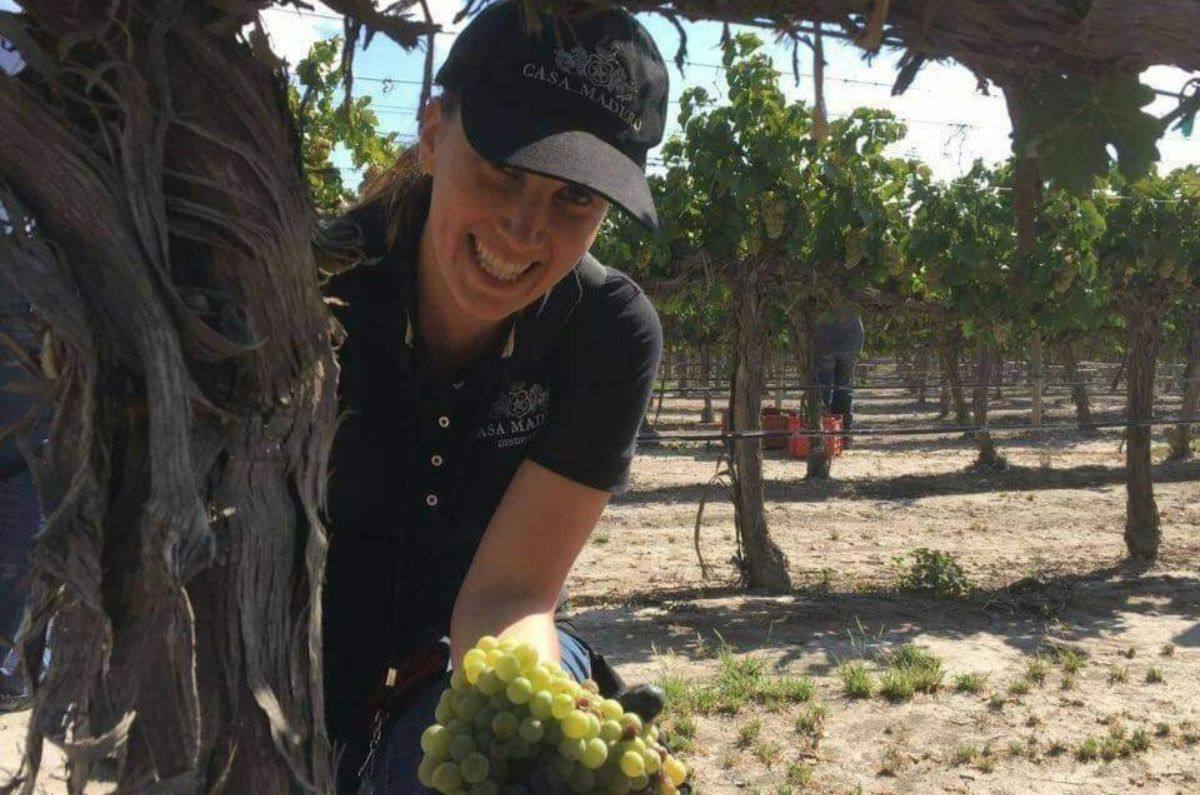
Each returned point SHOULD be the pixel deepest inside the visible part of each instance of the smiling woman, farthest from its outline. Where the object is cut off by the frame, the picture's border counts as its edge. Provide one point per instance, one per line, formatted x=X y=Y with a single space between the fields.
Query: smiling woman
x=494 y=374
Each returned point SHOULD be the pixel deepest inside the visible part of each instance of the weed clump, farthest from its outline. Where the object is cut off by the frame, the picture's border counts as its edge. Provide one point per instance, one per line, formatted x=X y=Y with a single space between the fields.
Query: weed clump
x=933 y=572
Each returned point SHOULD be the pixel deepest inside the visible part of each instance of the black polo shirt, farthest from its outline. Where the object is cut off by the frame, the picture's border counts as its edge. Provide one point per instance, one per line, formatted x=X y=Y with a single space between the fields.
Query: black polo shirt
x=420 y=461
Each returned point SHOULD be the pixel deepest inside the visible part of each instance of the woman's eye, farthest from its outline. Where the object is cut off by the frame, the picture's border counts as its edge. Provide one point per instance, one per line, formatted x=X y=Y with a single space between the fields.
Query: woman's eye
x=578 y=195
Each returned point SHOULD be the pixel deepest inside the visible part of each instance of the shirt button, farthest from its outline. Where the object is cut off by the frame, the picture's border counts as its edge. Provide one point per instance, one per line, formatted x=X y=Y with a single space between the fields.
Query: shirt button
x=444 y=422
x=436 y=460
x=431 y=500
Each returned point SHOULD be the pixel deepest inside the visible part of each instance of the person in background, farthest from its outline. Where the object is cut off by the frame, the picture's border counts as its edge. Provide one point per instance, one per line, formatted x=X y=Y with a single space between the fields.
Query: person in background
x=19 y=515
x=838 y=340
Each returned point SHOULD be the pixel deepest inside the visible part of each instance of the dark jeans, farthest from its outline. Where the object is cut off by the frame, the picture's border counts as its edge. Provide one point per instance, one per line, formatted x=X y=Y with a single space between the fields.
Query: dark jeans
x=835 y=374
x=395 y=772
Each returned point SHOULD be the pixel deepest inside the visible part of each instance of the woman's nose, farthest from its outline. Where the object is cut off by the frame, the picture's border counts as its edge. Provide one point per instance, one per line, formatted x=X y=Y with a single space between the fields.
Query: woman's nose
x=526 y=222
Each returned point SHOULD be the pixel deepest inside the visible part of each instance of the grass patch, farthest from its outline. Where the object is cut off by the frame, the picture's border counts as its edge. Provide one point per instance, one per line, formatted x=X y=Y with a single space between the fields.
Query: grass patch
x=894 y=760
x=799 y=775
x=738 y=682
x=600 y=539
x=1118 y=744
x=970 y=683
x=1068 y=658
x=1154 y=675
x=964 y=754
x=765 y=752
x=810 y=723
x=1168 y=650
x=910 y=670
x=857 y=681
x=997 y=701
x=748 y=733
x=1118 y=674
x=896 y=686
x=1036 y=670
x=1019 y=687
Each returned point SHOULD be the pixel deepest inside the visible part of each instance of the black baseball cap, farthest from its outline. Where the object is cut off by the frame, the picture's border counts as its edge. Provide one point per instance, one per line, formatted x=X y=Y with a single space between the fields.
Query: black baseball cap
x=581 y=99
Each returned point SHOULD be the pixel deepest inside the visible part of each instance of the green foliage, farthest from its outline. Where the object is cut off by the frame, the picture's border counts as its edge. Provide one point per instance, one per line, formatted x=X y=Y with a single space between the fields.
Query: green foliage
x=316 y=102
x=936 y=573
x=1071 y=121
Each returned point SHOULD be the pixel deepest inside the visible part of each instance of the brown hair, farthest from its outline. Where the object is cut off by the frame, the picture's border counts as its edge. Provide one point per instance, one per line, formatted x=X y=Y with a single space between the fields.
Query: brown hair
x=401 y=193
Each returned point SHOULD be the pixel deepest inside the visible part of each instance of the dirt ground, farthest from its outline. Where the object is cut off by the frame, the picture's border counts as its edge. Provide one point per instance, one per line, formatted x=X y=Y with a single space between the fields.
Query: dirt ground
x=1042 y=545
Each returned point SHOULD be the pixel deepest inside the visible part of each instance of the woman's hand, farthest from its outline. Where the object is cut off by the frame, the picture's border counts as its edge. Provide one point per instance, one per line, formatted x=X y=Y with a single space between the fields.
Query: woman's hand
x=528 y=549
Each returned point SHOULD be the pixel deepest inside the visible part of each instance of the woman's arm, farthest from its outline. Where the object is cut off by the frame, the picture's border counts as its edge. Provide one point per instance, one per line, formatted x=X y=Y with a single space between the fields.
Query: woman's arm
x=528 y=549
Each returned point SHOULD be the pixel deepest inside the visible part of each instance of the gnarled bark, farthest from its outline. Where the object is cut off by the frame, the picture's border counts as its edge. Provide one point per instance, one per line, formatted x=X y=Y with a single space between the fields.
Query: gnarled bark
x=949 y=346
x=1143 y=328
x=988 y=458
x=171 y=254
x=1079 y=392
x=764 y=565
x=1181 y=435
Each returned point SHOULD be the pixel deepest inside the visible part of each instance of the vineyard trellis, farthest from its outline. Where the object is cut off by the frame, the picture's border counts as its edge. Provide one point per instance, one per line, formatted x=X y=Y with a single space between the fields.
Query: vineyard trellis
x=160 y=220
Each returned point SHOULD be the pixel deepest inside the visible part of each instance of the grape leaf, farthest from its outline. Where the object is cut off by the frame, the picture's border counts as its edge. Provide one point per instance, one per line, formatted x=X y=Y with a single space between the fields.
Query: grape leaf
x=1070 y=122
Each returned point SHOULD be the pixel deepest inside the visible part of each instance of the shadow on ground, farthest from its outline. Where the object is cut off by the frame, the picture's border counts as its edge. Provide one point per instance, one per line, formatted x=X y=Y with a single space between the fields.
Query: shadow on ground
x=914 y=487
x=813 y=623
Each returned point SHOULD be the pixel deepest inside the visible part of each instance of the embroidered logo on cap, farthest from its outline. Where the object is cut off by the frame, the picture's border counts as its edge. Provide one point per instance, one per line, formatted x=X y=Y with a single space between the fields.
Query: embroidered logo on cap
x=598 y=76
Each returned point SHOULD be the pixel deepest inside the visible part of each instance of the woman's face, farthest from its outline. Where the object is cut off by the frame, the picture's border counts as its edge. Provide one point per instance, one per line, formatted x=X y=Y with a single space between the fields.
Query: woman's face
x=500 y=237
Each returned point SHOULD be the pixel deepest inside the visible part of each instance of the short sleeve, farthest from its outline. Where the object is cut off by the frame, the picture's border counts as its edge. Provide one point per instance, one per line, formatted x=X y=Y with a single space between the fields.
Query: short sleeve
x=609 y=358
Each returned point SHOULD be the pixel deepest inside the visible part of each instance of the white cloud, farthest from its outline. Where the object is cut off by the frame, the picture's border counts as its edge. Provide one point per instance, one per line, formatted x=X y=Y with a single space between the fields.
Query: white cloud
x=293 y=32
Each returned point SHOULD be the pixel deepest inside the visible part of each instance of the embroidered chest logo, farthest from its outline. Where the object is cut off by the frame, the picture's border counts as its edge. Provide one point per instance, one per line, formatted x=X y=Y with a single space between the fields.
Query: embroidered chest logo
x=516 y=414
x=598 y=76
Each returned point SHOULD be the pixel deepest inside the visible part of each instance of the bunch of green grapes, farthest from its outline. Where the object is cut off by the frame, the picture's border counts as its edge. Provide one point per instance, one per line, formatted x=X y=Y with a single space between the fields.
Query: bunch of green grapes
x=511 y=725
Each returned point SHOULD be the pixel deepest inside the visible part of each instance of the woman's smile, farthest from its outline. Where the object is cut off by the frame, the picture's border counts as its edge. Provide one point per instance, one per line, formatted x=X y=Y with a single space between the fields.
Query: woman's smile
x=495 y=265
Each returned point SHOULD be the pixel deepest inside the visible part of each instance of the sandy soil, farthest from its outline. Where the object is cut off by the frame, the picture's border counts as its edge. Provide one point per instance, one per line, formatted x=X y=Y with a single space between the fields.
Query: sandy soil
x=1042 y=541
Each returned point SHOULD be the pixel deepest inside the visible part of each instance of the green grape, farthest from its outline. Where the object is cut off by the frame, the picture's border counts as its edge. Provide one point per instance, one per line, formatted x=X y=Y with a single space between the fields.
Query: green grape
x=619 y=785
x=461 y=746
x=474 y=767
x=593 y=727
x=582 y=781
x=483 y=739
x=564 y=705
x=540 y=678
x=474 y=671
x=675 y=770
x=541 y=706
x=531 y=731
x=611 y=710
x=494 y=655
x=571 y=748
x=590 y=686
x=476 y=656
x=483 y=718
x=519 y=690
x=458 y=726
x=499 y=701
x=526 y=655
x=489 y=684
x=507 y=644
x=447 y=777
x=518 y=748
x=468 y=706
x=508 y=668
x=425 y=771
x=458 y=680
x=444 y=711
x=651 y=760
x=435 y=741
x=575 y=725
x=563 y=766
x=632 y=764
x=641 y=782
x=505 y=725
x=554 y=734
x=484 y=788
x=486 y=643
x=497 y=749
x=631 y=723
x=611 y=731
x=595 y=754
x=638 y=744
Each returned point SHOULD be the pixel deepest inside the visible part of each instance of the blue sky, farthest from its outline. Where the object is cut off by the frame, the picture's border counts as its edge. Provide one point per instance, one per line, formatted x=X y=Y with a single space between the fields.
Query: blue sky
x=949 y=122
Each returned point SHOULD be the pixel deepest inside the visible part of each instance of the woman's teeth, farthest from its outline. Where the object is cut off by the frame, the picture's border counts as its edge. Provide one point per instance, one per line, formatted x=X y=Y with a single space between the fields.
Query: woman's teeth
x=496 y=266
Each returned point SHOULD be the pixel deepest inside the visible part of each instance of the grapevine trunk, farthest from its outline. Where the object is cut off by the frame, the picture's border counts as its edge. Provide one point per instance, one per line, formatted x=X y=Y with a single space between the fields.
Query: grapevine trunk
x=1142 y=531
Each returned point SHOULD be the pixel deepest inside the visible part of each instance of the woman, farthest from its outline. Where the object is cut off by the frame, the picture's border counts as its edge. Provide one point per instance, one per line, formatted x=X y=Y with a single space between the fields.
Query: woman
x=493 y=374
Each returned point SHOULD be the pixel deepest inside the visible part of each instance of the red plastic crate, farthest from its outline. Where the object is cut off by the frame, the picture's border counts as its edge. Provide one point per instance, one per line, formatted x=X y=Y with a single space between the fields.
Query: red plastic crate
x=798 y=444
x=771 y=419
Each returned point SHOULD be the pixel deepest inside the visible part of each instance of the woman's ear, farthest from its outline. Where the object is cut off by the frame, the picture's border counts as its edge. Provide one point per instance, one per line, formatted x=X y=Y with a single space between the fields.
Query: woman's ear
x=433 y=120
